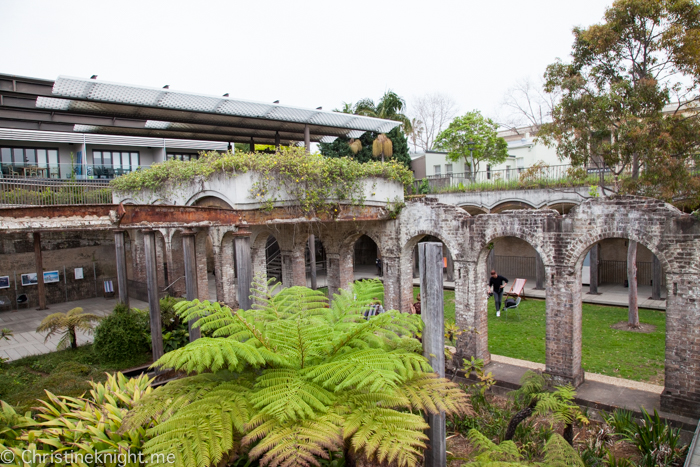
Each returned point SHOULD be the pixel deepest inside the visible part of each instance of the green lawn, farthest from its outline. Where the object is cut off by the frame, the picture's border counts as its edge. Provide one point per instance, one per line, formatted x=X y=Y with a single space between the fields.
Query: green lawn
x=606 y=351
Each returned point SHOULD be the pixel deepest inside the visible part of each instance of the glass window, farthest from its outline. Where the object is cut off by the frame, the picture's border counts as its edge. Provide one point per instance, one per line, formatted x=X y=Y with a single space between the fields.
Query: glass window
x=117 y=159
x=437 y=169
x=18 y=155
x=135 y=160
x=30 y=156
x=6 y=155
x=41 y=157
x=107 y=158
x=448 y=168
x=97 y=157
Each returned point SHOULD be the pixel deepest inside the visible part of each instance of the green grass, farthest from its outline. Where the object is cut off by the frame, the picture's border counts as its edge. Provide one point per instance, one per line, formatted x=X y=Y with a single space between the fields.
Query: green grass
x=606 y=351
x=65 y=373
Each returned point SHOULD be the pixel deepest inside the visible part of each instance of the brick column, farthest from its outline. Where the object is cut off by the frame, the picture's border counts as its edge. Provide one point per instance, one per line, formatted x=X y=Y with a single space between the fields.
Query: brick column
x=168 y=260
x=333 y=274
x=149 y=240
x=121 y=267
x=563 y=307
x=299 y=266
x=471 y=302
x=287 y=268
x=682 y=382
x=244 y=270
x=190 y=259
x=259 y=256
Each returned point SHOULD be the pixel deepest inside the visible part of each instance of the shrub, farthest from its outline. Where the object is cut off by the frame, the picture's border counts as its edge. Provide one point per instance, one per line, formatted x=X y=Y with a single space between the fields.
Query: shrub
x=121 y=336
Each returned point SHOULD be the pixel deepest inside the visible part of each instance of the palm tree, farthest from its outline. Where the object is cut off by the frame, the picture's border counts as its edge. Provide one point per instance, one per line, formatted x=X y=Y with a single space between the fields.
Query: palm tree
x=390 y=107
x=66 y=324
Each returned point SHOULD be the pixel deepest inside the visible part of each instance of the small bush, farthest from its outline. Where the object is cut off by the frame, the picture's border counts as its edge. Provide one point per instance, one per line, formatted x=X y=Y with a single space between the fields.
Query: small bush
x=122 y=336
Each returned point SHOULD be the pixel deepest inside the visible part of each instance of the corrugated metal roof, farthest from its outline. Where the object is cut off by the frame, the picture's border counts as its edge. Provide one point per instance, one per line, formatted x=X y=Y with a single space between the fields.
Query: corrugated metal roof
x=87 y=90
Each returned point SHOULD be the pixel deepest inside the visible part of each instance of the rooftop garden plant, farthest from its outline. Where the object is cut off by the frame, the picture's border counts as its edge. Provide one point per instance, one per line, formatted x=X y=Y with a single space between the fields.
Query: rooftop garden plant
x=312 y=179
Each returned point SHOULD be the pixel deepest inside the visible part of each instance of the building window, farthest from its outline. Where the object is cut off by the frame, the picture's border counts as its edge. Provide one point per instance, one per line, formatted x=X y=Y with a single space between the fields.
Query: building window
x=437 y=170
x=40 y=162
x=182 y=156
x=488 y=172
x=448 y=169
x=109 y=164
x=507 y=172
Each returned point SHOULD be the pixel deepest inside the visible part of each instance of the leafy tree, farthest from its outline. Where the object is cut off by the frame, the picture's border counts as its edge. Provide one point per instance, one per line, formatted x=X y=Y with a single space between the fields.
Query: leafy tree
x=294 y=380
x=629 y=103
x=341 y=147
x=67 y=324
x=390 y=107
x=483 y=132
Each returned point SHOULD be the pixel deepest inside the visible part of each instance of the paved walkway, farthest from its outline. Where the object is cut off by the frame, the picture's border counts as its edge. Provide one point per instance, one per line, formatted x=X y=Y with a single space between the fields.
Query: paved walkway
x=23 y=323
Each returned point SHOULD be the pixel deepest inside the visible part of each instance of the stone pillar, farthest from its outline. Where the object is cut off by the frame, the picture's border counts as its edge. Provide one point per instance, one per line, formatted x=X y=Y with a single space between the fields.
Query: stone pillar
x=287 y=268
x=594 y=263
x=298 y=266
x=433 y=314
x=121 y=267
x=202 y=275
x=682 y=367
x=190 y=257
x=244 y=270
x=656 y=279
x=168 y=260
x=471 y=302
x=333 y=274
x=312 y=260
x=149 y=241
x=396 y=292
x=563 y=315
x=39 y=271
x=137 y=256
x=450 y=269
x=225 y=271
x=539 y=272
x=259 y=255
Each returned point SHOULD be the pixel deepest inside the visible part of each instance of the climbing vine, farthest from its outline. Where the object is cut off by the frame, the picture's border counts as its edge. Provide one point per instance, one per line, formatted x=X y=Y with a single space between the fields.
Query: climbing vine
x=315 y=182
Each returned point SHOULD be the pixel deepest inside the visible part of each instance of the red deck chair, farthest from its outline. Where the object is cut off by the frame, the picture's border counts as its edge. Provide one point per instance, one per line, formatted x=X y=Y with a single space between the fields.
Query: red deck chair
x=517 y=289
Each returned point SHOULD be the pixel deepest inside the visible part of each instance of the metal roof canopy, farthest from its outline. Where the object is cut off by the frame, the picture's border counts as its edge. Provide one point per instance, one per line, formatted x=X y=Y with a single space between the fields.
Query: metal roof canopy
x=93 y=106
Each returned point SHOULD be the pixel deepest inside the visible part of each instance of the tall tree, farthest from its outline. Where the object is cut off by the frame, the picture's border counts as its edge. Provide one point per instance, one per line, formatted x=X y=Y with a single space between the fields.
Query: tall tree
x=473 y=128
x=526 y=103
x=431 y=114
x=629 y=103
x=390 y=107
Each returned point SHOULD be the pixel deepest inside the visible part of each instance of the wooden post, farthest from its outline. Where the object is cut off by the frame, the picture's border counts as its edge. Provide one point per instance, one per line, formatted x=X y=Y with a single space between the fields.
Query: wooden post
x=244 y=269
x=450 y=269
x=633 y=310
x=252 y=144
x=594 y=263
x=539 y=272
x=277 y=139
x=149 y=243
x=416 y=272
x=191 y=289
x=312 y=260
x=307 y=138
x=656 y=279
x=39 y=271
x=433 y=314
x=121 y=267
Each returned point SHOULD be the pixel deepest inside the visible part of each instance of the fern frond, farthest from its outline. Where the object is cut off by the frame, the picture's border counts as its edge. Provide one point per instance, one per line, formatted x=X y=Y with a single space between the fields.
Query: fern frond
x=285 y=395
x=213 y=354
x=371 y=368
x=295 y=443
x=559 y=453
x=386 y=435
x=429 y=393
x=489 y=452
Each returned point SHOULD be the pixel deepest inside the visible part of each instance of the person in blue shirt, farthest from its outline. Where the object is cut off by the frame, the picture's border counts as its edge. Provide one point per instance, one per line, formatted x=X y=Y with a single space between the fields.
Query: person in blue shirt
x=498 y=283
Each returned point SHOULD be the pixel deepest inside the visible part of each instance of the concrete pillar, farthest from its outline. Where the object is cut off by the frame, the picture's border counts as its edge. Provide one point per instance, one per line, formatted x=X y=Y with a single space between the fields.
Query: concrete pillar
x=202 y=276
x=563 y=318
x=149 y=241
x=121 y=267
x=39 y=271
x=656 y=279
x=594 y=261
x=312 y=260
x=433 y=314
x=471 y=302
x=681 y=393
x=539 y=272
x=244 y=270
x=190 y=257
x=307 y=138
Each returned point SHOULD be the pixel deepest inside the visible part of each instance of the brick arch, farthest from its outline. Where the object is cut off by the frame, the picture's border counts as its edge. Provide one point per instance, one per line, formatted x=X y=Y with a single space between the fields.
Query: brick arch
x=258 y=251
x=215 y=199
x=543 y=249
x=354 y=236
x=416 y=235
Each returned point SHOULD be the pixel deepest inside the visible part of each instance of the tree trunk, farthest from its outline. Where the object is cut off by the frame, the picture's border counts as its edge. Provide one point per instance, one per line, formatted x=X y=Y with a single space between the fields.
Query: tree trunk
x=517 y=418
x=349 y=457
x=633 y=313
x=73 y=338
x=569 y=433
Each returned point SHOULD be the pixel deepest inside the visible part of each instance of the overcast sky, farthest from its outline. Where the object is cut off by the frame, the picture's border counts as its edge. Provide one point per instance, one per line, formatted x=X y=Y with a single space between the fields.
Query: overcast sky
x=304 y=53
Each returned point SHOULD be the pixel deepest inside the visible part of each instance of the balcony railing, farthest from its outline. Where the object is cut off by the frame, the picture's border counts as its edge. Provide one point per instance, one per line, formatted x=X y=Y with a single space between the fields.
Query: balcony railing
x=36 y=191
x=63 y=171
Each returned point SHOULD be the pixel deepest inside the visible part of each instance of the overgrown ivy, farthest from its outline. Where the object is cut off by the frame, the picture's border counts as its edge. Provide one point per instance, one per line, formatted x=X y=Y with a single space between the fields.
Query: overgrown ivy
x=314 y=181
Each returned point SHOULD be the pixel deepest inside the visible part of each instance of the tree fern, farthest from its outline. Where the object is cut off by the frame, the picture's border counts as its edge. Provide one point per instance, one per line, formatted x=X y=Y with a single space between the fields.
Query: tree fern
x=559 y=453
x=298 y=377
